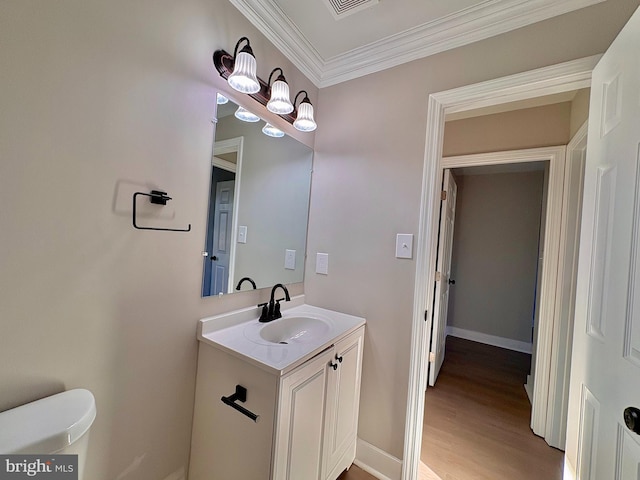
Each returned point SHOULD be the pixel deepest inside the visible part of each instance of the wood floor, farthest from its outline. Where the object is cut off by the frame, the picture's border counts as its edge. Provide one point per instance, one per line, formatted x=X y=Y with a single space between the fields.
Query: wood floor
x=477 y=419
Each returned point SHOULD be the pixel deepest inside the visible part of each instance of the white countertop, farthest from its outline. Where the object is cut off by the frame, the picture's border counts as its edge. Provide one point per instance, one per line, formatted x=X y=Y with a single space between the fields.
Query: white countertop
x=238 y=334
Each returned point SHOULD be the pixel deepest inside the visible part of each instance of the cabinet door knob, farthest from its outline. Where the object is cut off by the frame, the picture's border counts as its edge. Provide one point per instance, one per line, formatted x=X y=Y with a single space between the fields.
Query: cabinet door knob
x=339 y=358
x=632 y=419
x=333 y=365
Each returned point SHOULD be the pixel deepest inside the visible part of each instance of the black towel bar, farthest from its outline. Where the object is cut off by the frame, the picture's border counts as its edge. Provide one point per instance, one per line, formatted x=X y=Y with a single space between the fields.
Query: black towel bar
x=241 y=396
x=159 y=198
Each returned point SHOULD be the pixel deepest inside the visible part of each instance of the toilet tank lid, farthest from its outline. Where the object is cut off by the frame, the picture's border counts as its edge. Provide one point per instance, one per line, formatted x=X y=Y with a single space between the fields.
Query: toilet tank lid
x=47 y=425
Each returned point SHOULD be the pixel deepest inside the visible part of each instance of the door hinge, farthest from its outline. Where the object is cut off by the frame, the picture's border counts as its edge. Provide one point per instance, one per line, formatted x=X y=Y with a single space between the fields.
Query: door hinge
x=443 y=195
x=432 y=357
x=438 y=276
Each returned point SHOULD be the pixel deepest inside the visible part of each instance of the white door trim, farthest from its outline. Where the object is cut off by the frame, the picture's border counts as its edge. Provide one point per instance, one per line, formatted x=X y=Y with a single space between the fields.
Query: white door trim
x=551 y=248
x=221 y=147
x=545 y=81
x=555 y=433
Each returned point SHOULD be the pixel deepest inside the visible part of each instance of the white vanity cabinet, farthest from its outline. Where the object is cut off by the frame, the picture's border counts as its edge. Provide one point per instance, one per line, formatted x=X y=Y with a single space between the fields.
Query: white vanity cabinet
x=308 y=417
x=318 y=414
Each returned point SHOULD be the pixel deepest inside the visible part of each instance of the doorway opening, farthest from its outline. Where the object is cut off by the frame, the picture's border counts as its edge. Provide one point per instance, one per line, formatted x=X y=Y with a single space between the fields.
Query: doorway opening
x=223 y=217
x=478 y=400
x=552 y=80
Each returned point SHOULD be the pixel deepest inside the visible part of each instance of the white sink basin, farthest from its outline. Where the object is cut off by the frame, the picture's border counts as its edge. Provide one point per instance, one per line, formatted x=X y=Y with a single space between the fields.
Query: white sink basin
x=294 y=330
x=281 y=345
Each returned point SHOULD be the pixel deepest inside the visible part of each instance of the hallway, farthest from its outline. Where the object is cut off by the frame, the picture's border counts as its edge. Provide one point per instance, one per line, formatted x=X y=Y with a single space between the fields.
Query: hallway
x=477 y=418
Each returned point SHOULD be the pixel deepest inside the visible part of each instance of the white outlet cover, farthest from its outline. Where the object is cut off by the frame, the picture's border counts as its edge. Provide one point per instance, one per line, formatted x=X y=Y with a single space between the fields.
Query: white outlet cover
x=322 y=263
x=404 y=245
x=242 y=234
x=290 y=259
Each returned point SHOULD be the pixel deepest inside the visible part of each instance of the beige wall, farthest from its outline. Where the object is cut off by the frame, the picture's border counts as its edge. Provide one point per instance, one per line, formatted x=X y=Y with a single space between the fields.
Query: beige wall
x=495 y=251
x=529 y=128
x=367 y=188
x=579 y=110
x=101 y=99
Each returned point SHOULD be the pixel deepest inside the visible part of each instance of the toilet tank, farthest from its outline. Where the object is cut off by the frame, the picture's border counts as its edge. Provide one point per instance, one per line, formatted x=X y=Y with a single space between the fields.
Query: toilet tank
x=58 y=424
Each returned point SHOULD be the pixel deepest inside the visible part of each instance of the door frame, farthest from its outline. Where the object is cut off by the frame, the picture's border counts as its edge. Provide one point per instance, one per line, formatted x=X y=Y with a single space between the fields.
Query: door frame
x=551 y=248
x=559 y=78
x=231 y=145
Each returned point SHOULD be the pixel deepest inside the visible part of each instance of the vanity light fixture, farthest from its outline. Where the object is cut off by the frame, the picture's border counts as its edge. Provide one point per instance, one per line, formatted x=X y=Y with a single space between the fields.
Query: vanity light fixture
x=304 y=120
x=243 y=78
x=272 y=131
x=239 y=71
x=279 y=101
x=246 y=116
x=221 y=99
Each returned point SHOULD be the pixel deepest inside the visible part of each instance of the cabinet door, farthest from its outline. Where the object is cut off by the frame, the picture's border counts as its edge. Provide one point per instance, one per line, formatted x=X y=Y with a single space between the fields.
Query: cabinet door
x=343 y=402
x=299 y=430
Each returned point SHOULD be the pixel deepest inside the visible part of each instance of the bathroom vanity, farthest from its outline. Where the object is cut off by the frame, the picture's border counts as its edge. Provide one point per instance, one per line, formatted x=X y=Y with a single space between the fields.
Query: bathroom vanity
x=302 y=379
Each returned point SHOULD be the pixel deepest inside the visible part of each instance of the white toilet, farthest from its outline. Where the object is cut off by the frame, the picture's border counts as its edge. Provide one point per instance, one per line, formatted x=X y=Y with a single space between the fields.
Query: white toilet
x=58 y=424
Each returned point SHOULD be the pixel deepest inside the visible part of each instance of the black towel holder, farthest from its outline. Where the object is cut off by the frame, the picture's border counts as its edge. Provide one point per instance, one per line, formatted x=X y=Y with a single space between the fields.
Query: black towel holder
x=159 y=198
x=240 y=396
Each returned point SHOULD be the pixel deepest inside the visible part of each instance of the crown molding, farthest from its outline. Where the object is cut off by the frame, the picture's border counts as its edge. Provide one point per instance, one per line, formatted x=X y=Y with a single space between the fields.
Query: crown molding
x=487 y=19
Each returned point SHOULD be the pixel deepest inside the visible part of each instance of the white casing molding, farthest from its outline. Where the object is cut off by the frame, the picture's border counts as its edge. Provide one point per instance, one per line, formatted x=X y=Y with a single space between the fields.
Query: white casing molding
x=564 y=77
x=483 y=20
x=551 y=246
x=502 y=342
x=377 y=462
x=556 y=427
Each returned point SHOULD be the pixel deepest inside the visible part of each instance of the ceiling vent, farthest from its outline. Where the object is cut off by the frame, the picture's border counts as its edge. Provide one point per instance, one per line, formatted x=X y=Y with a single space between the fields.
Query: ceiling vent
x=344 y=8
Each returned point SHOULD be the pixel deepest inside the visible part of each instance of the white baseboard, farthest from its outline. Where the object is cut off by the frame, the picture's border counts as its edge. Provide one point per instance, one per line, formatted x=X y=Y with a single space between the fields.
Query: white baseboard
x=501 y=342
x=377 y=462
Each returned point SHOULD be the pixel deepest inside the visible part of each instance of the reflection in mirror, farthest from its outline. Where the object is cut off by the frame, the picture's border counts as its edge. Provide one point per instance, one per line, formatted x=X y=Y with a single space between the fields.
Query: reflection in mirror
x=258 y=207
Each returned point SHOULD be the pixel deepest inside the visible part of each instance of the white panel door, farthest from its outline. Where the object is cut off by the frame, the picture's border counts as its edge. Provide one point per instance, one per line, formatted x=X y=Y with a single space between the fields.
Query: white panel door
x=605 y=369
x=445 y=245
x=222 y=228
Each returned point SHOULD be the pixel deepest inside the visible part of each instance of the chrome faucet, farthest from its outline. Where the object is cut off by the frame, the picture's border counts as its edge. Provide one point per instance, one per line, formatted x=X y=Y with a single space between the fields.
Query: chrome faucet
x=271 y=311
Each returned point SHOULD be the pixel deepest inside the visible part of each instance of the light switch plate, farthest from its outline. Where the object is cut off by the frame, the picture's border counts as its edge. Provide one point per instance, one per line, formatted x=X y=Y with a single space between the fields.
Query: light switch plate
x=404 y=245
x=322 y=263
x=242 y=234
x=290 y=259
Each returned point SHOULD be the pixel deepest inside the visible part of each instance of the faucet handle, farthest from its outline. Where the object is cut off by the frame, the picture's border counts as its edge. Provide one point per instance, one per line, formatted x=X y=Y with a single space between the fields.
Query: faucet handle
x=276 y=310
x=264 y=316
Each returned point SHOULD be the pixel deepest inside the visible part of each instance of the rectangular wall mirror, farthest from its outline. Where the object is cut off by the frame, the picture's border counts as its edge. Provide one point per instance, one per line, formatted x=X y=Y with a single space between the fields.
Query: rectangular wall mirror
x=258 y=206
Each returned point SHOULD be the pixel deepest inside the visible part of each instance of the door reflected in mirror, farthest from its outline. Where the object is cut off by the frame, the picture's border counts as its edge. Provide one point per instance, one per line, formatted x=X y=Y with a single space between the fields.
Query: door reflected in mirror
x=258 y=207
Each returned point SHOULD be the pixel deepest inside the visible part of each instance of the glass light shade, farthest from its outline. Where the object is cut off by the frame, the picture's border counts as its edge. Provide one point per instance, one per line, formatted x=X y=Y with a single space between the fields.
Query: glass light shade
x=221 y=99
x=243 y=78
x=279 y=102
x=246 y=115
x=304 y=121
x=272 y=131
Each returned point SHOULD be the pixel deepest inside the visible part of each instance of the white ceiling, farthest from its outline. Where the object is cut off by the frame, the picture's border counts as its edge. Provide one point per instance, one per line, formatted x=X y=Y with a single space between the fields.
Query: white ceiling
x=330 y=49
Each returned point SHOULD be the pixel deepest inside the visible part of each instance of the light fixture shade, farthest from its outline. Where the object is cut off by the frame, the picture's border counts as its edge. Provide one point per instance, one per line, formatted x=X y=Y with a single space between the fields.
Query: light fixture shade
x=221 y=99
x=304 y=121
x=243 y=78
x=279 y=102
x=272 y=131
x=246 y=116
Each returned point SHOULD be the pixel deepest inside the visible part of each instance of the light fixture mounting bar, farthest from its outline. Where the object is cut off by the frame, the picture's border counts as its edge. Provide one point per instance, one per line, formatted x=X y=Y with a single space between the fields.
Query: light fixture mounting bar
x=223 y=62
